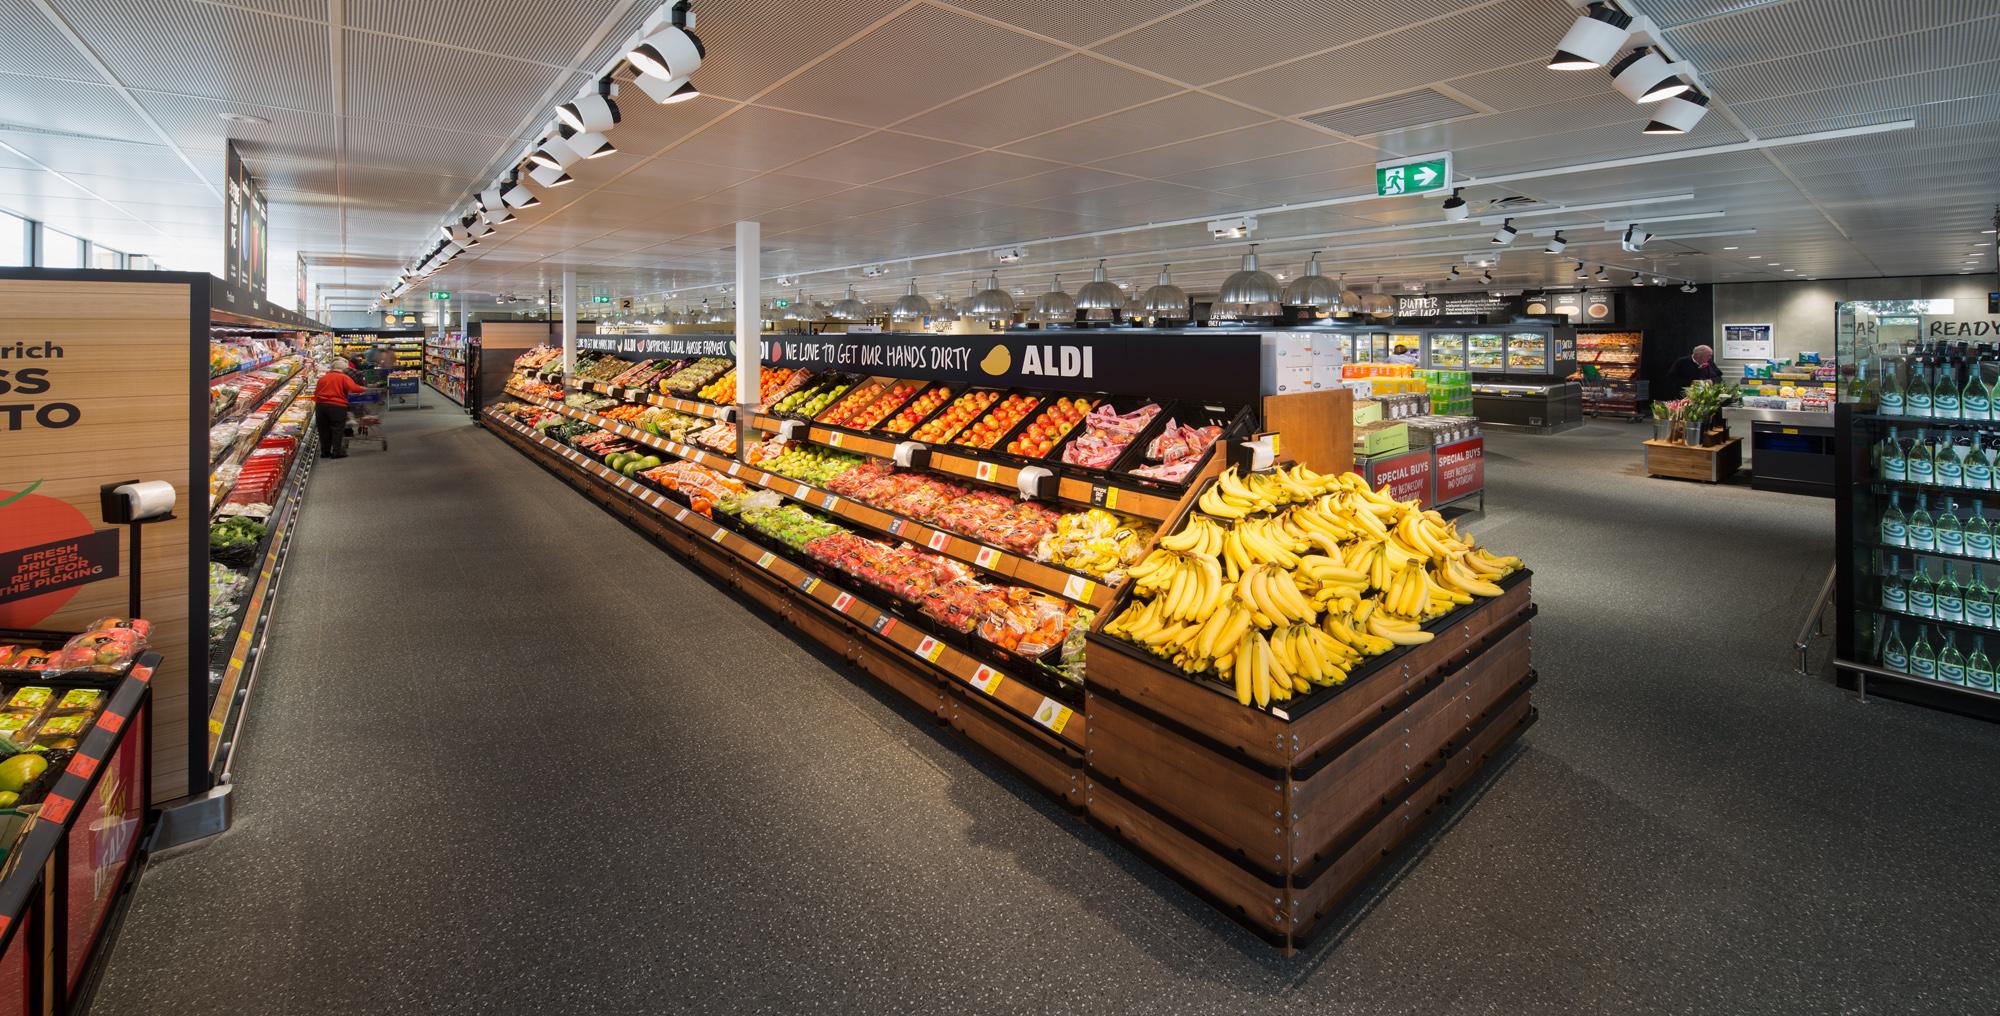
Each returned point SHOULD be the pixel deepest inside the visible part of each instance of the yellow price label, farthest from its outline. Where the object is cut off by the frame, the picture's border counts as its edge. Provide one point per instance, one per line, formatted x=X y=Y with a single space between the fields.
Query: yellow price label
x=718 y=533
x=930 y=649
x=985 y=557
x=984 y=470
x=1076 y=587
x=765 y=561
x=986 y=679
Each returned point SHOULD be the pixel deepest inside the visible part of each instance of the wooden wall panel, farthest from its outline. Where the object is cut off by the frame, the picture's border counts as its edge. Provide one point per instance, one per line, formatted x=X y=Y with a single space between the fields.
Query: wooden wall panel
x=126 y=365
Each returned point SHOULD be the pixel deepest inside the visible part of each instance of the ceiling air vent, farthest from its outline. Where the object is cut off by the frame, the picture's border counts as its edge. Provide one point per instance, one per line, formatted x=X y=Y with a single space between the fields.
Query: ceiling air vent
x=1398 y=112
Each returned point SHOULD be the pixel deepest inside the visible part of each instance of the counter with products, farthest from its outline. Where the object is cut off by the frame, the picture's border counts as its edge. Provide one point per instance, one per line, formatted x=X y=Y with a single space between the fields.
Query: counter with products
x=1086 y=573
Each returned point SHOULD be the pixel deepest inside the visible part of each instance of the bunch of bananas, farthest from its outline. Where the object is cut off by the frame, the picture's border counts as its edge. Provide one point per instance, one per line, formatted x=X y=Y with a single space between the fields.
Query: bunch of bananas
x=1332 y=570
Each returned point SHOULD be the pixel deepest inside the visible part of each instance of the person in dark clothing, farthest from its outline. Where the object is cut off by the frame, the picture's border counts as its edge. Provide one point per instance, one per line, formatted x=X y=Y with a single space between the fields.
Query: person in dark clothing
x=330 y=411
x=1698 y=365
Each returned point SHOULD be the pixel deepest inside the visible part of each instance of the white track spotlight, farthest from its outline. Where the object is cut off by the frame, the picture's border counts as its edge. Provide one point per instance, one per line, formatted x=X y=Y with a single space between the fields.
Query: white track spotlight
x=667 y=90
x=1486 y=276
x=1454 y=273
x=1679 y=114
x=1506 y=233
x=592 y=112
x=1643 y=75
x=1455 y=208
x=456 y=236
x=1688 y=287
x=517 y=196
x=1557 y=244
x=554 y=153
x=549 y=176
x=493 y=203
x=1582 y=271
x=1634 y=239
x=669 y=50
x=1596 y=37
x=592 y=146
x=477 y=225
x=1602 y=275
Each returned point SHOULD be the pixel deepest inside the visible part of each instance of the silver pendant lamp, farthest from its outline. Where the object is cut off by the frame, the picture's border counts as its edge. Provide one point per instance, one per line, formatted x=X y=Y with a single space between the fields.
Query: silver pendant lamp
x=1099 y=294
x=1350 y=301
x=911 y=307
x=1312 y=289
x=848 y=309
x=992 y=303
x=799 y=311
x=944 y=308
x=1380 y=304
x=1166 y=301
x=1055 y=307
x=1253 y=291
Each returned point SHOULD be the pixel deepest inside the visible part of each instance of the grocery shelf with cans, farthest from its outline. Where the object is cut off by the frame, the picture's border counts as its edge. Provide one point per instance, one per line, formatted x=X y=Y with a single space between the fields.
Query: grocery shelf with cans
x=821 y=503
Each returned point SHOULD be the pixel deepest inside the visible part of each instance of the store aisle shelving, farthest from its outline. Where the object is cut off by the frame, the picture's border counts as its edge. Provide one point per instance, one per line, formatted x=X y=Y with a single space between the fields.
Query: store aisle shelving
x=506 y=756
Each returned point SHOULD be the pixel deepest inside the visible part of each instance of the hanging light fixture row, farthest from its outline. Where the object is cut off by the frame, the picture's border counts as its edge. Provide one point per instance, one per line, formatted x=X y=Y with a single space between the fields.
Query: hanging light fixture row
x=663 y=57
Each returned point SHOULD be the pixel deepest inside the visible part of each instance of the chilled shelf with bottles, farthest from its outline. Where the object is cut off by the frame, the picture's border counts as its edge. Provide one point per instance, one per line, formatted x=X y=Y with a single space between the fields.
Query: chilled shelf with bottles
x=1919 y=514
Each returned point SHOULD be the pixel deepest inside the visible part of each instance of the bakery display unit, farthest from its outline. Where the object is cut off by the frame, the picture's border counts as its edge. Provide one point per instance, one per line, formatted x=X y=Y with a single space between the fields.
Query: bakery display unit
x=1003 y=530
x=1617 y=391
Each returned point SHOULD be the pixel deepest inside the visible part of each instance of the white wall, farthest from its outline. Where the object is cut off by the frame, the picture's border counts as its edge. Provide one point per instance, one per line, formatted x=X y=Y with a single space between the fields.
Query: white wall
x=1803 y=311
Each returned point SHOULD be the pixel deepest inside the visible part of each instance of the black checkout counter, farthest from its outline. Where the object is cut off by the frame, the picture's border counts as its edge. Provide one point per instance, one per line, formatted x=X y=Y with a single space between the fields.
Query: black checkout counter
x=1791 y=450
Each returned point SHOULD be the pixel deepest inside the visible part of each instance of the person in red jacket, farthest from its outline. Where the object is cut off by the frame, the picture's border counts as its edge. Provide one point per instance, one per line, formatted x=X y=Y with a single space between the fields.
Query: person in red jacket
x=330 y=411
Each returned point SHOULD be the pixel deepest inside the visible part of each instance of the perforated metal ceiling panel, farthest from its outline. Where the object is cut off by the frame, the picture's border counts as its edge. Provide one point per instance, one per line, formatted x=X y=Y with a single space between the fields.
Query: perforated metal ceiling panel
x=1419 y=108
x=1223 y=38
x=1074 y=88
x=549 y=33
x=914 y=61
x=207 y=49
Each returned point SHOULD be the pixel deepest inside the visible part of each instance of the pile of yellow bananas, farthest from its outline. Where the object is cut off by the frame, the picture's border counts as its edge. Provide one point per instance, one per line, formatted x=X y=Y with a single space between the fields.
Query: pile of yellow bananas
x=1333 y=570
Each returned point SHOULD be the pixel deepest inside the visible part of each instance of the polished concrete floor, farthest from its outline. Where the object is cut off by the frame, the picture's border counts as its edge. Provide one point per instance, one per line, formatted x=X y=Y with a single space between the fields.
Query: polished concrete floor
x=505 y=757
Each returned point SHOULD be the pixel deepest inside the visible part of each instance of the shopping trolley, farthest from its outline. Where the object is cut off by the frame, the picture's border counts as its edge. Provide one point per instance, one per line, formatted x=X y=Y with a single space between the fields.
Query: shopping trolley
x=364 y=420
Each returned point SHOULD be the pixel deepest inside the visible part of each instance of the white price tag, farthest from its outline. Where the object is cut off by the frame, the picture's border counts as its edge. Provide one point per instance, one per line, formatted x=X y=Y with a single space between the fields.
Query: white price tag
x=985 y=557
x=1053 y=715
x=986 y=679
x=938 y=541
x=842 y=602
x=930 y=649
x=718 y=533
x=766 y=559
x=735 y=468
x=681 y=516
x=985 y=470
x=1076 y=587
x=832 y=502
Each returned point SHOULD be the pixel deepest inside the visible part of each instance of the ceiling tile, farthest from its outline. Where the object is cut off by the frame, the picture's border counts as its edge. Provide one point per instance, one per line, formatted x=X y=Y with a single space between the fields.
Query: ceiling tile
x=1275 y=137
x=673 y=180
x=551 y=33
x=927 y=48
x=1184 y=116
x=761 y=139
x=969 y=172
x=877 y=155
x=1071 y=89
x=1224 y=38
x=216 y=51
x=398 y=80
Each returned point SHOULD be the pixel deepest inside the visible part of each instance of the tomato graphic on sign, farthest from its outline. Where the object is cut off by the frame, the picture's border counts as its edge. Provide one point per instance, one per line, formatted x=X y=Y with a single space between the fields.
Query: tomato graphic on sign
x=28 y=519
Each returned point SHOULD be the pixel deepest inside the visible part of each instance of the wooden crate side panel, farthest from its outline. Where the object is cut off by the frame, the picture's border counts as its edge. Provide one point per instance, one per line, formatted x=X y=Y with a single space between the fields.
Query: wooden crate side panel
x=1023 y=748
x=1258 y=736
x=1232 y=889
x=1222 y=799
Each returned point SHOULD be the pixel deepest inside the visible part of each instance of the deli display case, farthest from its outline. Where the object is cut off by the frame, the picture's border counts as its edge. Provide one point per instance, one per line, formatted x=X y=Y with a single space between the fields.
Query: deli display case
x=1444 y=351
x=1521 y=373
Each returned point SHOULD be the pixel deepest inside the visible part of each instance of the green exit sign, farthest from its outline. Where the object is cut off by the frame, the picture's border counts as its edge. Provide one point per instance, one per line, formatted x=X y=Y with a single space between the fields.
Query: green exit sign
x=781 y=303
x=600 y=299
x=1413 y=176
x=439 y=294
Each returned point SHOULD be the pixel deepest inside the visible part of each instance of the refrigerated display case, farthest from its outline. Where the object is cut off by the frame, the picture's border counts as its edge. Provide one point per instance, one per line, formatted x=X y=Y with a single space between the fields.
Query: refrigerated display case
x=1487 y=352
x=1917 y=579
x=1445 y=351
x=1406 y=348
x=1521 y=374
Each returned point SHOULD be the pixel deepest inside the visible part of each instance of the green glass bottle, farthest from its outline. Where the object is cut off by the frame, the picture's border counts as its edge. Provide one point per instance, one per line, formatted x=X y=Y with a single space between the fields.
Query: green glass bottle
x=1948 y=531
x=1944 y=393
x=1978 y=534
x=1979 y=466
x=1949 y=463
x=1923 y=658
x=1922 y=529
x=1950 y=597
x=1895 y=591
x=1889 y=401
x=1978 y=667
x=1895 y=656
x=1923 y=591
x=1921 y=462
x=1917 y=398
x=1978 y=600
x=1895 y=526
x=1973 y=401
x=1951 y=665
x=1891 y=462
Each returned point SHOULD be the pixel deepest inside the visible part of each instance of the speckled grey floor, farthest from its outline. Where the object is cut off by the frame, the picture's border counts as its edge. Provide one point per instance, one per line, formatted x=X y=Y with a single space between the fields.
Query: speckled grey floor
x=507 y=758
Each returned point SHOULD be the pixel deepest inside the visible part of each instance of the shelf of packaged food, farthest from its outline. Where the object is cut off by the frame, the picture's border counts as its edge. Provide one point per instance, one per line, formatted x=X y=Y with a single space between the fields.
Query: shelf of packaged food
x=1130 y=500
x=245 y=368
x=679 y=405
x=1928 y=421
x=456 y=398
x=238 y=674
x=245 y=408
x=1072 y=586
x=218 y=494
x=1017 y=696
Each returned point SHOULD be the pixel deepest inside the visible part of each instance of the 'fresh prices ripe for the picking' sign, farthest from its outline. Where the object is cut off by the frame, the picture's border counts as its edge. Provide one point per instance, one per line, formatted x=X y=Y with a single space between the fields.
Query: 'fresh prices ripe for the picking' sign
x=27 y=520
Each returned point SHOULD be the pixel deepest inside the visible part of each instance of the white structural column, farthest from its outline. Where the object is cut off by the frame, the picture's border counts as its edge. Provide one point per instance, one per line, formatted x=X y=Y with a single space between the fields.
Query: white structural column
x=569 y=324
x=464 y=319
x=749 y=314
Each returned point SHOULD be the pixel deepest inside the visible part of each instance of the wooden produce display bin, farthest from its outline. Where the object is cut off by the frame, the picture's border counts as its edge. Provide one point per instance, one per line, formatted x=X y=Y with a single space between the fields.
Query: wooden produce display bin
x=1275 y=815
x=1709 y=463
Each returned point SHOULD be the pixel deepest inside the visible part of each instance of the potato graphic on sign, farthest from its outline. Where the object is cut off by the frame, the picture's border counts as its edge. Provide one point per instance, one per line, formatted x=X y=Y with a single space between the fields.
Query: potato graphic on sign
x=997 y=361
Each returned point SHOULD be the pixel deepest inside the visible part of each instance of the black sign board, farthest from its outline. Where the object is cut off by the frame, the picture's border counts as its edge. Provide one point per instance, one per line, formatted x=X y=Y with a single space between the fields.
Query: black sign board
x=47 y=567
x=1213 y=366
x=1419 y=306
x=245 y=228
